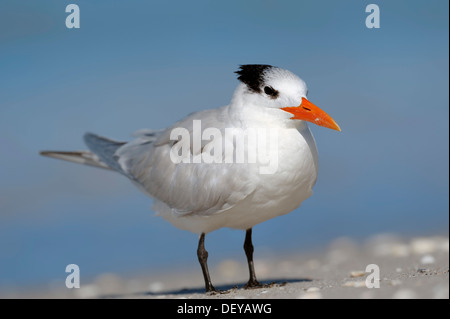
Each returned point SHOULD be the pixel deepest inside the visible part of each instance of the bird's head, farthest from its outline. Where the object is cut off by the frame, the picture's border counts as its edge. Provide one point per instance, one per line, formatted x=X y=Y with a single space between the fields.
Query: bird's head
x=276 y=88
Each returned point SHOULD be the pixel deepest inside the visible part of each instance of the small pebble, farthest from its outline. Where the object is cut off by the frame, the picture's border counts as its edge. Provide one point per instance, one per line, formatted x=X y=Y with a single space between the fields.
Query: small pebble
x=427 y=260
x=423 y=270
x=313 y=289
x=355 y=284
x=356 y=274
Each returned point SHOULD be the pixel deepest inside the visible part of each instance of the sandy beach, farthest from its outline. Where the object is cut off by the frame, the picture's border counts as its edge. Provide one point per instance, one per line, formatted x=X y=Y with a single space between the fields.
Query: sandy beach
x=409 y=269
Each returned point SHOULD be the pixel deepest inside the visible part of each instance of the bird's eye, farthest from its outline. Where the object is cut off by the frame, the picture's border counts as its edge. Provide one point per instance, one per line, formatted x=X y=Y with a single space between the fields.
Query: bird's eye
x=270 y=91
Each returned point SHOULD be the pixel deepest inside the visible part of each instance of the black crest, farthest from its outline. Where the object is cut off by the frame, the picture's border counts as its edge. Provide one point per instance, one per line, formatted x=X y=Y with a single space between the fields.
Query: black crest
x=253 y=75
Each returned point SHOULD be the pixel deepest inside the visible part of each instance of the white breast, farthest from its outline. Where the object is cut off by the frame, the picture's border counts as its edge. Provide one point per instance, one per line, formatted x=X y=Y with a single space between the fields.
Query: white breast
x=280 y=193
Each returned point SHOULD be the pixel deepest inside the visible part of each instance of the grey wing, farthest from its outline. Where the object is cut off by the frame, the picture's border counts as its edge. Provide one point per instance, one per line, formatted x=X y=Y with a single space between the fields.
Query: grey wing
x=105 y=149
x=187 y=188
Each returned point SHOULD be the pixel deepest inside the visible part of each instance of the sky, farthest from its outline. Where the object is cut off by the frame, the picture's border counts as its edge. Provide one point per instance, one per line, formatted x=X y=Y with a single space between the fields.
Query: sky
x=146 y=64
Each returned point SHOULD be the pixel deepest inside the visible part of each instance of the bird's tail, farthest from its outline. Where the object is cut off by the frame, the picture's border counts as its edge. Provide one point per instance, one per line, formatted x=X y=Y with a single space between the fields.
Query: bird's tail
x=101 y=153
x=80 y=157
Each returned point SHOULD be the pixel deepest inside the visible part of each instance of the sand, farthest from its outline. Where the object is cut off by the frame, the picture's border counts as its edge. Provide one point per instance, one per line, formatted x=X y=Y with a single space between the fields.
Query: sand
x=409 y=269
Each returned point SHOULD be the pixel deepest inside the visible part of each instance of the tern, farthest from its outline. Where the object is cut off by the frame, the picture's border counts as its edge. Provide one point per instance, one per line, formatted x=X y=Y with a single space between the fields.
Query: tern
x=202 y=196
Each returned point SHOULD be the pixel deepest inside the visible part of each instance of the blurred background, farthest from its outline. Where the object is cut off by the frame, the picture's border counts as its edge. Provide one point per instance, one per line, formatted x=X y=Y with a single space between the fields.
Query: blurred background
x=146 y=64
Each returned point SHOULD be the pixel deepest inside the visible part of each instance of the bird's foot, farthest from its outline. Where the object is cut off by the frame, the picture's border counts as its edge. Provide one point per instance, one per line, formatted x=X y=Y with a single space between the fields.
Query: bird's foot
x=254 y=284
x=210 y=289
x=213 y=291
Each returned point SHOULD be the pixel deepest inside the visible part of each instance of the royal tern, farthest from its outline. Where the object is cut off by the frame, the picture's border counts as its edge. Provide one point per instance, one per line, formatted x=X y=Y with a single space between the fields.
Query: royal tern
x=199 y=185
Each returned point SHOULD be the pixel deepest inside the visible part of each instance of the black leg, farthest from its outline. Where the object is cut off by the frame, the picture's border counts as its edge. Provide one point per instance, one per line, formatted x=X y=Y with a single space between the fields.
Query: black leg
x=202 y=255
x=248 y=248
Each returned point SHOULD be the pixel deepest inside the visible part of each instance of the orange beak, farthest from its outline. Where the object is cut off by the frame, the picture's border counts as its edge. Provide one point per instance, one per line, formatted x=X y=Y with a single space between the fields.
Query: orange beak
x=311 y=113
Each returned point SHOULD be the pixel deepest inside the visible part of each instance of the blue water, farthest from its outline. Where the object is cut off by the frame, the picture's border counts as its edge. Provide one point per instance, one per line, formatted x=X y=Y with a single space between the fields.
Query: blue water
x=136 y=65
